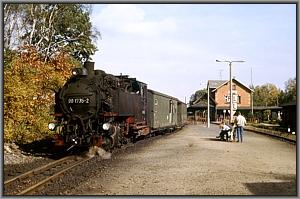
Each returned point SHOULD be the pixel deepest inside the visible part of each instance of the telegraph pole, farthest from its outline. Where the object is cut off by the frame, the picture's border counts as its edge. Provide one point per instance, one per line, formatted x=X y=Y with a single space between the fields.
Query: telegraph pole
x=221 y=70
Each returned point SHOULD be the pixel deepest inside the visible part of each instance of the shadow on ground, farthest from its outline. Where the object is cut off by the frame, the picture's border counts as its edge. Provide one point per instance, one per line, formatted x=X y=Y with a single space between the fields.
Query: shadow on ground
x=287 y=187
x=43 y=148
x=37 y=148
x=212 y=139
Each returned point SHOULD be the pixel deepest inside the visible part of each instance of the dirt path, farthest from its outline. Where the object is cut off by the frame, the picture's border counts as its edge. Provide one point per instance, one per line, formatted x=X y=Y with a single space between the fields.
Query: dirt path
x=193 y=162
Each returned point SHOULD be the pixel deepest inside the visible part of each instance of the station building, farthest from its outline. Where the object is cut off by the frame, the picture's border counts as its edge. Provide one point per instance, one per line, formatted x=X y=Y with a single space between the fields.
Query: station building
x=219 y=95
x=219 y=98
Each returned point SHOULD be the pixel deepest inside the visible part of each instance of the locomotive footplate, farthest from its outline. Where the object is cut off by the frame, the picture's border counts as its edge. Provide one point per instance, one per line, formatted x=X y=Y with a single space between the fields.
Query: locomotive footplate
x=109 y=114
x=142 y=130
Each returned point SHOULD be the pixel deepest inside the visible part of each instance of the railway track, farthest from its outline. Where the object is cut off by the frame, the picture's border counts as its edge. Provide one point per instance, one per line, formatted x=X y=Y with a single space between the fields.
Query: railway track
x=275 y=134
x=36 y=180
x=32 y=181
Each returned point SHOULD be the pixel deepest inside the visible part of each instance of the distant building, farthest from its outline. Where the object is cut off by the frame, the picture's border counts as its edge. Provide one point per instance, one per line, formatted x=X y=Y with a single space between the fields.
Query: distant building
x=219 y=92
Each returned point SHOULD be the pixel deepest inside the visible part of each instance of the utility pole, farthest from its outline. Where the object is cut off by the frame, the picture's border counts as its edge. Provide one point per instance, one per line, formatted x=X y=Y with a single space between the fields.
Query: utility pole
x=230 y=86
x=208 y=119
x=220 y=73
x=252 y=94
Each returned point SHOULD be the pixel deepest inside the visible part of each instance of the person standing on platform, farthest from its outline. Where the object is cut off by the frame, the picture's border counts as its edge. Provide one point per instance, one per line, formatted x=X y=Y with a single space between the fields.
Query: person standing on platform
x=240 y=122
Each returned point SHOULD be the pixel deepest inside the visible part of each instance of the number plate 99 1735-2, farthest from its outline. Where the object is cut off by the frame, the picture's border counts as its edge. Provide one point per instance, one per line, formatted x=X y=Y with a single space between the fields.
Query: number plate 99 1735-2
x=83 y=100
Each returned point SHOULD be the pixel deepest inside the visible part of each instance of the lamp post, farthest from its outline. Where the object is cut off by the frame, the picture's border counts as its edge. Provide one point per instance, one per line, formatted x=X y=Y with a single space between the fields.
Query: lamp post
x=230 y=85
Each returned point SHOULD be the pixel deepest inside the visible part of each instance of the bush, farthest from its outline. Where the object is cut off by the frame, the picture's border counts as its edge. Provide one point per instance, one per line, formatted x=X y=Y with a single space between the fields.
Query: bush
x=267 y=115
x=250 y=117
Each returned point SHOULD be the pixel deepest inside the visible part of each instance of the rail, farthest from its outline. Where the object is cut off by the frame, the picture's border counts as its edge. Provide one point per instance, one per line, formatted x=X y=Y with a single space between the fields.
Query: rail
x=31 y=181
x=284 y=135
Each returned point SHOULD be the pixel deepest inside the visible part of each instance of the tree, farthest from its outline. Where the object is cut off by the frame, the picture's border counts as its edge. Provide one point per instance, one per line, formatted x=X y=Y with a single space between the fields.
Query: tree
x=290 y=92
x=28 y=93
x=198 y=95
x=266 y=95
x=51 y=28
x=13 y=25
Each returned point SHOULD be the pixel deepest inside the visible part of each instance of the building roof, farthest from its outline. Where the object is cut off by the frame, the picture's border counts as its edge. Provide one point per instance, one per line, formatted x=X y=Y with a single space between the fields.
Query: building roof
x=220 y=84
x=200 y=105
x=215 y=83
x=203 y=99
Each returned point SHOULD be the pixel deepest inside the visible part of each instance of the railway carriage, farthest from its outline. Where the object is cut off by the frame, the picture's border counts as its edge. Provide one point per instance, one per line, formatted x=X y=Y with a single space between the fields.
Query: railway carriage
x=181 y=114
x=162 y=110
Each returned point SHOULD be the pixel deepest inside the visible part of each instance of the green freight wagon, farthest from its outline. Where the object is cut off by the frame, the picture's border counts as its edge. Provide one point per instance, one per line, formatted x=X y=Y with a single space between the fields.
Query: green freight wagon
x=162 y=110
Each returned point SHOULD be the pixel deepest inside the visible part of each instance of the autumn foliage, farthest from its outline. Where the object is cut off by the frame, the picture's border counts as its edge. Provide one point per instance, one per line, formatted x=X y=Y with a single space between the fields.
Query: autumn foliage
x=29 y=88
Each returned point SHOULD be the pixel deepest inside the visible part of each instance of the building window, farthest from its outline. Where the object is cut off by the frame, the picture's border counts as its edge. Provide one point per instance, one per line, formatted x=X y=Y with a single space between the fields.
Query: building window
x=233 y=87
x=236 y=99
x=155 y=102
x=227 y=99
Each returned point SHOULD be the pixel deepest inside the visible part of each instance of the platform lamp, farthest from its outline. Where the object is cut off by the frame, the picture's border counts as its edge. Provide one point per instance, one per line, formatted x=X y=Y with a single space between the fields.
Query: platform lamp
x=230 y=85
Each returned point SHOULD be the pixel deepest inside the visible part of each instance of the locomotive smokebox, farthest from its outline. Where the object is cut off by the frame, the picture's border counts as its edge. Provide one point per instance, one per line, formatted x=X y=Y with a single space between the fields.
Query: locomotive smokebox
x=90 y=68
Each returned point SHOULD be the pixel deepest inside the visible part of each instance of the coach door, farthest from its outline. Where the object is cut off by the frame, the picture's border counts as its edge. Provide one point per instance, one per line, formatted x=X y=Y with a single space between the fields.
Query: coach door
x=171 y=108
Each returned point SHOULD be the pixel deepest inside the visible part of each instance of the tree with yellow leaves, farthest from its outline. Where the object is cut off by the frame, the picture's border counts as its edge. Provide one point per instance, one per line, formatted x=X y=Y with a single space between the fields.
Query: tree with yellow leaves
x=29 y=87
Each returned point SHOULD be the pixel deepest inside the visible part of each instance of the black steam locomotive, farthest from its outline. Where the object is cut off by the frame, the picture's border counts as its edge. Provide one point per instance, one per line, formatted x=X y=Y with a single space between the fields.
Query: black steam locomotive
x=95 y=108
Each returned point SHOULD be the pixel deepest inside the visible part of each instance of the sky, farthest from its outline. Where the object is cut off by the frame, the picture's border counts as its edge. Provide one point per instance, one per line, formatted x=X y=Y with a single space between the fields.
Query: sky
x=173 y=47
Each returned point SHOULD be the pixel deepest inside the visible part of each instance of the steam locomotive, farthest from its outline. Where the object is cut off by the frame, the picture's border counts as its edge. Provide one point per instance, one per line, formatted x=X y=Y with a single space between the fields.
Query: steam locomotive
x=100 y=109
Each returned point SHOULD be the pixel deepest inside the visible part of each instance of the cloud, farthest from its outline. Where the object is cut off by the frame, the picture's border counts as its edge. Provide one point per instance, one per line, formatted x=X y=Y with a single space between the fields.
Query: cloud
x=130 y=19
x=173 y=48
x=160 y=51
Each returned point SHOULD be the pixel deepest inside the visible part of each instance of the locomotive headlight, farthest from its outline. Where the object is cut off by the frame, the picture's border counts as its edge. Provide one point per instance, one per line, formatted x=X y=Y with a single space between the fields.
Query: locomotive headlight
x=79 y=72
x=106 y=126
x=51 y=126
x=74 y=72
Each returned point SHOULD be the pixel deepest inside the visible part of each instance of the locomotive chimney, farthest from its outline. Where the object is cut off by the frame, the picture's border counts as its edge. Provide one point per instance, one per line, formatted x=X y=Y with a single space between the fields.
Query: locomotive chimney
x=90 y=68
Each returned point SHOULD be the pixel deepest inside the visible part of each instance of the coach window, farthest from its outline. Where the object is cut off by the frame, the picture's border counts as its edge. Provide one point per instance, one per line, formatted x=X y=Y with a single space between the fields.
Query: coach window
x=155 y=102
